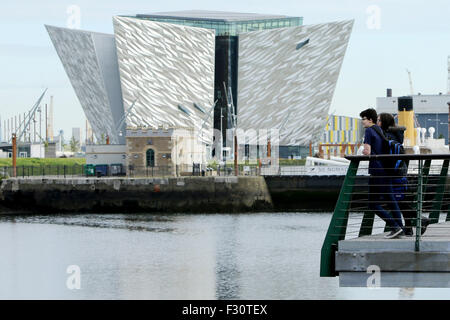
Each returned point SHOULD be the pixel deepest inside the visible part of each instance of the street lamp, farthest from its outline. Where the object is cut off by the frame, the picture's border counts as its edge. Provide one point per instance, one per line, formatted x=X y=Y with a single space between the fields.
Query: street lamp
x=438 y=123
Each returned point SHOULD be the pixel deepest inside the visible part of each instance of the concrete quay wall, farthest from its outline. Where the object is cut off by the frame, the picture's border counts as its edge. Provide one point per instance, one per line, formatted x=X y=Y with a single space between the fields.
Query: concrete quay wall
x=186 y=194
x=304 y=193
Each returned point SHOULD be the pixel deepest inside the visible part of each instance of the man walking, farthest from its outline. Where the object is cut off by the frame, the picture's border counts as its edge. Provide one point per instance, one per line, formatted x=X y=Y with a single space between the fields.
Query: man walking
x=380 y=185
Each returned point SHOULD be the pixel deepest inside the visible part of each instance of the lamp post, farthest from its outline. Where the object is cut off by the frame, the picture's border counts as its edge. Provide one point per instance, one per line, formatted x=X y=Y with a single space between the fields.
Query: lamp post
x=448 y=103
x=438 y=123
x=14 y=154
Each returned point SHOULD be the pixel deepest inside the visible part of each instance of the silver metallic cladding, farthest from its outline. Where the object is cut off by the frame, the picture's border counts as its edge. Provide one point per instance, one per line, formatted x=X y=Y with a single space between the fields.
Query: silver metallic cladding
x=89 y=59
x=281 y=87
x=163 y=66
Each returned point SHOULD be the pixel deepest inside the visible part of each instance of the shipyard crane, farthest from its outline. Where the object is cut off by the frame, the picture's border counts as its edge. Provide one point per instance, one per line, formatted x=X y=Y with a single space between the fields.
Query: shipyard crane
x=231 y=107
x=31 y=113
x=410 y=82
x=448 y=75
x=208 y=115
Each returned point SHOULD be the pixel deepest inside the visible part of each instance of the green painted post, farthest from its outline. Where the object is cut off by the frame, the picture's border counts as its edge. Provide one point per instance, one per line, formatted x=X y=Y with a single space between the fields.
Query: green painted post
x=424 y=172
x=437 y=203
x=338 y=225
x=419 y=207
x=367 y=224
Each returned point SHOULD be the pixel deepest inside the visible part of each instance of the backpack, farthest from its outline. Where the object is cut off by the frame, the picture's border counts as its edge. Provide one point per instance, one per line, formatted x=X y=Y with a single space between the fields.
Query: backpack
x=397 y=169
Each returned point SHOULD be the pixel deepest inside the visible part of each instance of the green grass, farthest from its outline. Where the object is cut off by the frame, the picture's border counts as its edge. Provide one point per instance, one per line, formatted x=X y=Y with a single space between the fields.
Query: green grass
x=42 y=167
x=292 y=162
x=43 y=162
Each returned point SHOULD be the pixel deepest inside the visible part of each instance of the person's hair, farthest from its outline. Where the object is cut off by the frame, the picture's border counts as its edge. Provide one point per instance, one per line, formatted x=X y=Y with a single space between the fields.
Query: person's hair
x=387 y=120
x=370 y=114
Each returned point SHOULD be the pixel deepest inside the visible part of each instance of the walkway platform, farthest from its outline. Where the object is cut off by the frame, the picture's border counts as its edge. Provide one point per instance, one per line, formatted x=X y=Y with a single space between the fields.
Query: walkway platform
x=396 y=259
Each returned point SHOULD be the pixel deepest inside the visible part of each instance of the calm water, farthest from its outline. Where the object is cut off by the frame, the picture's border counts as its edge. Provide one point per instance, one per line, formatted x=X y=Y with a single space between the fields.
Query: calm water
x=245 y=256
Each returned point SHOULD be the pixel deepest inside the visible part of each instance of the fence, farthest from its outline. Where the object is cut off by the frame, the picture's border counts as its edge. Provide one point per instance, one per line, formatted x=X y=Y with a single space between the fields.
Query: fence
x=47 y=170
x=68 y=171
x=179 y=170
x=422 y=199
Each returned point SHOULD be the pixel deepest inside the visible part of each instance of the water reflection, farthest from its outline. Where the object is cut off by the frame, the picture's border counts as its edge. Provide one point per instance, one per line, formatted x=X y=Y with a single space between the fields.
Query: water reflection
x=227 y=273
x=114 y=221
x=151 y=256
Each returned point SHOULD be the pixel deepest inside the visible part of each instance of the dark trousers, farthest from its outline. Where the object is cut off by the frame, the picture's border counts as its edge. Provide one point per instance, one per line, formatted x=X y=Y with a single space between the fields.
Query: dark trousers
x=380 y=192
x=409 y=214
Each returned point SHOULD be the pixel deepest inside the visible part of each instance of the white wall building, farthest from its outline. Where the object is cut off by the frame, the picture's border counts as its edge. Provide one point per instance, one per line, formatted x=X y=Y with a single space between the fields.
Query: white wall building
x=431 y=110
x=106 y=154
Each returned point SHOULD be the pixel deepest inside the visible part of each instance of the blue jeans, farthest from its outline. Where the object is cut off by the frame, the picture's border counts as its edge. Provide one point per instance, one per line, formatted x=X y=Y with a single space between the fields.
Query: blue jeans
x=380 y=191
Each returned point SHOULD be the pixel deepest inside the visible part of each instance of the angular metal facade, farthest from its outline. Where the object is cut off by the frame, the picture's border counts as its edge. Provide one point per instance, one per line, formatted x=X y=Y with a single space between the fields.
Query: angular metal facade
x=90 y=61
x=287 y=79
x=169 y=69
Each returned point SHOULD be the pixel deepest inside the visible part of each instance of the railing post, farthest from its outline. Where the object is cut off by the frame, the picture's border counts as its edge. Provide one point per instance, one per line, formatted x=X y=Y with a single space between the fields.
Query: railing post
x=419 y=206
x=424 y=172
x=437 y=203
x=338 y=225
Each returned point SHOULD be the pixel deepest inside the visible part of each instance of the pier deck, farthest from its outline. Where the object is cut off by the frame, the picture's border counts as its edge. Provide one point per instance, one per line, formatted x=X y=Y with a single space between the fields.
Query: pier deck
x=398 y=262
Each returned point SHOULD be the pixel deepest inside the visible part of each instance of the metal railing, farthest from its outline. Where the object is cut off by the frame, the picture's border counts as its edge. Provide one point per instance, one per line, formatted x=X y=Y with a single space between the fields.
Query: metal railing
x=362 y=197
x=43 y=171
x=179 y=170
x=132 y=171
x=192 y=170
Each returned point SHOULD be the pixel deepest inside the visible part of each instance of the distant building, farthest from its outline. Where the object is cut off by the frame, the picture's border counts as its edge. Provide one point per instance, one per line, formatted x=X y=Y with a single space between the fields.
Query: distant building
x=59 y=140
x=106 y=154
x=342 y=130
x=205 y=70
x=430 y=111
x=89 y=134
x=24 y=150
x=169 y=151
x=76 y=134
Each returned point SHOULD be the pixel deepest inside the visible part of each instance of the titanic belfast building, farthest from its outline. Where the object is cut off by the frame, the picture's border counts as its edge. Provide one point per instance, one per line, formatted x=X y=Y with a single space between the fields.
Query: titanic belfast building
x=203 y=70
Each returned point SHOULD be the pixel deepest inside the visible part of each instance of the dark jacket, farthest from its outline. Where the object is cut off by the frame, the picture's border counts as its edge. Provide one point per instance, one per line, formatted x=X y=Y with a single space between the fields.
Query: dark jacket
x=395 y=133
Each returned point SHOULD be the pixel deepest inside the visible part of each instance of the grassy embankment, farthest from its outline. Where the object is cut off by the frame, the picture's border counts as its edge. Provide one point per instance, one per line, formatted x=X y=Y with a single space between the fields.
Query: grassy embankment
x=43 y=162
x=46 y=166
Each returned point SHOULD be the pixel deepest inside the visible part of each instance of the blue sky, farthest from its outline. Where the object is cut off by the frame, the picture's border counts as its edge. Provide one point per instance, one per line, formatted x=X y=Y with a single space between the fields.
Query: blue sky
x=389 y=36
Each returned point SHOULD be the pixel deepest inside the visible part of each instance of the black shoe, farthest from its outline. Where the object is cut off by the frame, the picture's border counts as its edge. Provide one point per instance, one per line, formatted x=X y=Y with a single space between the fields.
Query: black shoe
x=408 y=232
x=395 y=233
x=424 y=224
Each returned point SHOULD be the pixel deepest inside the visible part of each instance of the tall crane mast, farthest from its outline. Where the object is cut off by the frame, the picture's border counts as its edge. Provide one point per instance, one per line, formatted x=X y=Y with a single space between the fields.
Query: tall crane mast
x=448 y=75
x=410 y=82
